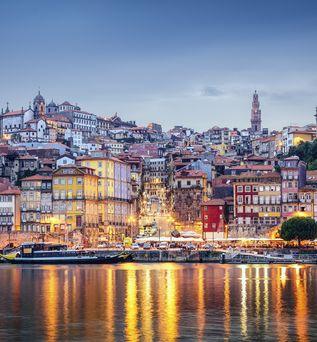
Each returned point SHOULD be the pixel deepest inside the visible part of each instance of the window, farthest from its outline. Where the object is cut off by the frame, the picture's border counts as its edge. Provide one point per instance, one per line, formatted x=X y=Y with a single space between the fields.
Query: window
x=240 y=188
x=63 y=181
x=240 y=199
x=247 y=188
x=56 y=180
x=70 y=181
x=79 y=181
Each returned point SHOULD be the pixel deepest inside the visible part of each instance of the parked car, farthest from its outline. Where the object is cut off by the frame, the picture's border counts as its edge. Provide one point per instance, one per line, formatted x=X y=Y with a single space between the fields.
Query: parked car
x=146 y=245
x=207 y=246
x=135 y=246
x=78 y=247
x=102 y=245
x=190 y=246
x=119 y=246
x=163 y=245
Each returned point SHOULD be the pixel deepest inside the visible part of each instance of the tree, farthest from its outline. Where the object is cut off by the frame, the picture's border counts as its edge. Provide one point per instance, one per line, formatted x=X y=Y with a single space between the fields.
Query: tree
x=312 y=165
x=299 y=228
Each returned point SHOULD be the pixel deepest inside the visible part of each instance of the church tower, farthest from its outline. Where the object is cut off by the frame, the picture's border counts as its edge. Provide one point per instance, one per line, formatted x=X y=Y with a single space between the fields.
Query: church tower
x=256 y=114
x=38 y=106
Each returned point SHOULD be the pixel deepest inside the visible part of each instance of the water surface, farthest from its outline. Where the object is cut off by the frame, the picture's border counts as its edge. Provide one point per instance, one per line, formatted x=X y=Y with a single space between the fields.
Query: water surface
x=158 y=302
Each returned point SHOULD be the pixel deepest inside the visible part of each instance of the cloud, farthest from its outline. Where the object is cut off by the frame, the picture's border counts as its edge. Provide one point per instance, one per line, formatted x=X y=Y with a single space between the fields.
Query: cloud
x=287 y=95
x=211 y=91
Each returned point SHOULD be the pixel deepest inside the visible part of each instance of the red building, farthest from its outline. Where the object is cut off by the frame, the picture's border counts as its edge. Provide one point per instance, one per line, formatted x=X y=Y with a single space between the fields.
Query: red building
x=213 y=214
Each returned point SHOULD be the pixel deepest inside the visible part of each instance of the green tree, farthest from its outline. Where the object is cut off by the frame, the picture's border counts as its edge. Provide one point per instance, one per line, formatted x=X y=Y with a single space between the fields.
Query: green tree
x=312 y=165
x=306 y=151
x=299 y=228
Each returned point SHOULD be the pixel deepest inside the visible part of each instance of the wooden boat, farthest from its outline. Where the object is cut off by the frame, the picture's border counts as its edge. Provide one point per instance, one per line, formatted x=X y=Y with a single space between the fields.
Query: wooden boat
x=39 y=253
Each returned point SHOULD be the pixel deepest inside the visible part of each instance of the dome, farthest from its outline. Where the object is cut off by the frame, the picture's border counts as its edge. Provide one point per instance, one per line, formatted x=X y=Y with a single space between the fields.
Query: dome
x=39 y=98
x=52 y=104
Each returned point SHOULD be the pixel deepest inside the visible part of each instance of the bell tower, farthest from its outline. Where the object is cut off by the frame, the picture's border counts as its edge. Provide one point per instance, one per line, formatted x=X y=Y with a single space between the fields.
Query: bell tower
x=38 y=106
x=256 y=114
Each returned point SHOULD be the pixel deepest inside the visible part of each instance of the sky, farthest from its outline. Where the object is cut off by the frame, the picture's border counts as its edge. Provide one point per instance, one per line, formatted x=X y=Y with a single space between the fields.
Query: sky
x=194 y=63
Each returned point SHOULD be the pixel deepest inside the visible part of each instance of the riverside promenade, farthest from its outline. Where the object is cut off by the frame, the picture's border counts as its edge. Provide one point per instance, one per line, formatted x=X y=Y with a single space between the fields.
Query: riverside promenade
x=220 y=256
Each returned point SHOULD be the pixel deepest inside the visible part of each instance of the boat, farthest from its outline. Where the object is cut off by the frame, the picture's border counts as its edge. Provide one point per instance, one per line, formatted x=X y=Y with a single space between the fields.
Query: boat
x=41 y=253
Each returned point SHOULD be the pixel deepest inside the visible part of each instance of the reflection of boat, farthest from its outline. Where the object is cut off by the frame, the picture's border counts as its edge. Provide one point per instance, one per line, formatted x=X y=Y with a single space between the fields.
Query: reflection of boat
x=39 y=253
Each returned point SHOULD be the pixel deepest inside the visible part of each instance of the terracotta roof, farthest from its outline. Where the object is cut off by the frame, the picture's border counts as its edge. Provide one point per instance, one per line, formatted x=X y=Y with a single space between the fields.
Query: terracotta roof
x=37 y=177
x=11 y=191
x=262 y=175
x=215 y=201
x=18 y=112
x=27 y=130
x=28 y=156
x=190 y=174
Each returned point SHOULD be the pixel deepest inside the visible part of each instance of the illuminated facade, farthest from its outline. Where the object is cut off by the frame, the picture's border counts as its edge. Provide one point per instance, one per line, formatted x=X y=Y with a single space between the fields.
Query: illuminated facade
x=257 y=199
x=114 y=193
x=10 y=210
x=190 y=190
x=75 y=201
x=36 y=204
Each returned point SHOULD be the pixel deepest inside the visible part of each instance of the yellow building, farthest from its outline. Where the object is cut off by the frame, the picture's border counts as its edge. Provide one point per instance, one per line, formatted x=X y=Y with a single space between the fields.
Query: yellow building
x=114 y=193
x=221 y=148
x=75 y=201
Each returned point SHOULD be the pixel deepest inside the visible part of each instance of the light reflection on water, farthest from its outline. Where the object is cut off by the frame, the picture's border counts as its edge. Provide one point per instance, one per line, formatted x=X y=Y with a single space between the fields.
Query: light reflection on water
x=158 y=302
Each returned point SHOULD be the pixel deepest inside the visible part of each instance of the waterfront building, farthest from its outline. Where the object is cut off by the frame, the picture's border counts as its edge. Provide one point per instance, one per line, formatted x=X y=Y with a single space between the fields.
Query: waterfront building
x=10 y=209
x=257 y=199
x=114 y=193
x=306 y=201
x=155 y=177
x=36 y=204
x=75 y=201
x=189 y=191
x=214 y=216
x=293 y=173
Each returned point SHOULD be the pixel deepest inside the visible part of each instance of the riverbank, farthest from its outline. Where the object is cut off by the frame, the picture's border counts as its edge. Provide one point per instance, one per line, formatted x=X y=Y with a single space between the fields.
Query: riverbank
x=217 y=256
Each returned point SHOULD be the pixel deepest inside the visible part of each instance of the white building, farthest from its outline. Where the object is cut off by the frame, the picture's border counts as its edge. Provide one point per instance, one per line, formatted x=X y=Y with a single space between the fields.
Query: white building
x=76 y=135
x=10 y=210
x=65 y=159
x=13 y=121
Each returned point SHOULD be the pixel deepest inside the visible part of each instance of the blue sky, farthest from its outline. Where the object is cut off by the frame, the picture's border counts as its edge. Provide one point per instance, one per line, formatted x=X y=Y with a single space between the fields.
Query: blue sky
x=194 y=63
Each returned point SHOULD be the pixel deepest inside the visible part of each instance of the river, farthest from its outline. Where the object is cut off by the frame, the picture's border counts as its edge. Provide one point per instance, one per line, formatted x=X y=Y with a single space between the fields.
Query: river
x=158 y=302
